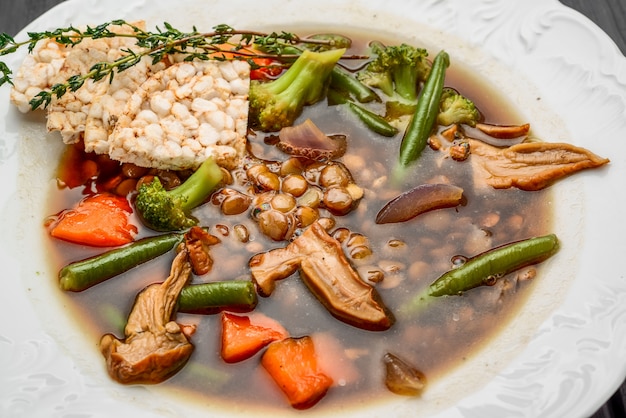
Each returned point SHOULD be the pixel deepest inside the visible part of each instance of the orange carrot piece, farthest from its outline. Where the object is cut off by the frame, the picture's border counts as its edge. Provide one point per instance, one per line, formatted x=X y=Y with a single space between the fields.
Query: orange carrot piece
x=100 y=220
x=292 y=363
x=241 y=338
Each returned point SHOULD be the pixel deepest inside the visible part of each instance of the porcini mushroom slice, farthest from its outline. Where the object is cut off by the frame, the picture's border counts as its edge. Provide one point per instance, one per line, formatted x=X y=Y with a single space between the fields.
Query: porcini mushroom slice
x=328 y=274
x=155 y=347
x=529 y=165
x=330 y=277
x=504 y=131
x=278 y=264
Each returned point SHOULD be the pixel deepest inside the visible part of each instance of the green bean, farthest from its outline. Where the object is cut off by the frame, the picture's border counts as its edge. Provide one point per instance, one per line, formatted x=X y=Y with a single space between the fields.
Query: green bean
x=209 y=297
x=83 y=274
x=483 y=269
x=493 y=264
x=422 y=122
x=341 y=79
x=373 y=121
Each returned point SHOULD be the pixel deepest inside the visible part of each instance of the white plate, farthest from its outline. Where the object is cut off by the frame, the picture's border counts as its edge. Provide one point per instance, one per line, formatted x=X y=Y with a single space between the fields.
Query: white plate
x=562 y=357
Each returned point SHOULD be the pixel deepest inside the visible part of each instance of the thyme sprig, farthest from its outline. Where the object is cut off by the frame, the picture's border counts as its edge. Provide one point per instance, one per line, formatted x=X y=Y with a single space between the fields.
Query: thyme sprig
x=222 y=43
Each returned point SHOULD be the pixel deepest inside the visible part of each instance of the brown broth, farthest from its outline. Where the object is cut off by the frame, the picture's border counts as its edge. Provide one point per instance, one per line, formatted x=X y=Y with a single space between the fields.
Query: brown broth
x=410 y=254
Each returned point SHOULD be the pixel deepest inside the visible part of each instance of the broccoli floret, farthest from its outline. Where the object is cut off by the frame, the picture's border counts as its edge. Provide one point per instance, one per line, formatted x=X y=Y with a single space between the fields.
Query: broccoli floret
x=379 y=80
x=397 y=71
x=456 y=108
x=278 y=103
x=168 y=210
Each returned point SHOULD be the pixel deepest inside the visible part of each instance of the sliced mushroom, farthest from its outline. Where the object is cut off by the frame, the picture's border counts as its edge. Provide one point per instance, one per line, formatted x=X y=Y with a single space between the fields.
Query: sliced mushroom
x=329 y=276
x=278 y=264
x=198 y=241
x=402 y=378
x=504 y=131
x=308 y=141
x=155 y=347
x=529 y=165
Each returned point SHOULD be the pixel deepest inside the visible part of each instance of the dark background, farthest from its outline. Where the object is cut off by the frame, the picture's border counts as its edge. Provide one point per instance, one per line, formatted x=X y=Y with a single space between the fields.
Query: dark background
x=610 y=15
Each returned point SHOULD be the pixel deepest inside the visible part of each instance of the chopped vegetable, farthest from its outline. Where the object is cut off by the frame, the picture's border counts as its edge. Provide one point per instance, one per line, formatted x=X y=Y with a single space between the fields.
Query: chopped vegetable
x=344 y=81
x=504 y=131
x=397 y=70
x=163 y=210
x=418 y=200
x=155 y=347
x=422 y=122
x=81 y=275
x=265 y=69
x=292 y=363
x=100 y=220
x=269 y=267
x=328 y=275
x=529 y=165
x=373 y=121
x=198 y=242
x=241 y=339
x=399 y=114
x=456 y=108
x=401 y=378
x=239 y=295
x=307 y=140
x=496 y=135
x=483 y=268
x=277 y=103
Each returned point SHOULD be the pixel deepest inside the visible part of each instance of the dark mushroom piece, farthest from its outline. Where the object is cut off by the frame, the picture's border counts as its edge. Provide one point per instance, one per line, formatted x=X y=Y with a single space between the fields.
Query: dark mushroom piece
x=420 y=199
x=155 y=347
x=308 y=141
x=402 y=378
x=197 y=242
x=328 y=274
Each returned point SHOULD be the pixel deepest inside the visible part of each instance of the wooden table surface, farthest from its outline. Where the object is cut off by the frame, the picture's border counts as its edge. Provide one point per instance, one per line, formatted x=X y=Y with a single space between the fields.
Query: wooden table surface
x=610 y=15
